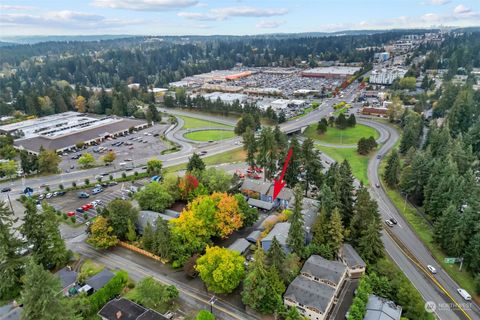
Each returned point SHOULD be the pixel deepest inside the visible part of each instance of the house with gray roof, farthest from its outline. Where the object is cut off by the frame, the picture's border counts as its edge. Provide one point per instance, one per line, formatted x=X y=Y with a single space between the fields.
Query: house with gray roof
x=279 y=231
x=124 y=309
x=68 y=278
x=355 y=264
x=264 y=189
x=241 y=245
x=253 y=236
x=99 y=280
x=382 y=309
x=315 y=291
x=145 y=217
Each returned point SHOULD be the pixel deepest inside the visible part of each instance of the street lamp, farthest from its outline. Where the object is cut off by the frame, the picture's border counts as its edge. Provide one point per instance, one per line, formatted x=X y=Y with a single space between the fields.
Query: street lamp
x=212 y=302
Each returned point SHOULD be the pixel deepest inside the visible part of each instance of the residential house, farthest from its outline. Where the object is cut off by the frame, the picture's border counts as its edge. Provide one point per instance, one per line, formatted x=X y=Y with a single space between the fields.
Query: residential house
x=97 y=281
x=382 y=309
x=355 y=264
x=68 y=278
x=254 y=236
x=279 y=231
x=315 y=291
x=124 y=309
x=150 y=217
x=263 y=193
x=241 y=245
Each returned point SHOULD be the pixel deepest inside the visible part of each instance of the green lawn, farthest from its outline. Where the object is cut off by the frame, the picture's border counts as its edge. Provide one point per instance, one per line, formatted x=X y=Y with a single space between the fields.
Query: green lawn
x=231 y=156
x=349 y=136
x=198 y=123
x=358 y=162
x=425 y=232
x=208 y=135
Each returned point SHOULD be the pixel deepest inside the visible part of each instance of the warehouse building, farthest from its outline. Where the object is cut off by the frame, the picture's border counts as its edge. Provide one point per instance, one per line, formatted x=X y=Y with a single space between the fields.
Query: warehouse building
x=335 y=72
x=63 y=131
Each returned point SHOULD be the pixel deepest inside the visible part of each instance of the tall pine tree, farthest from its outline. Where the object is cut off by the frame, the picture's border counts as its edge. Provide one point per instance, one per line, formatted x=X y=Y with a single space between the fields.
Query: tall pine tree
x=296 y=234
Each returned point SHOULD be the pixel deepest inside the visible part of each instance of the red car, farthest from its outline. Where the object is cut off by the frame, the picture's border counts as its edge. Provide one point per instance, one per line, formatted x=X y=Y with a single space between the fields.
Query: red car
x=70 y=213
x=86 y=207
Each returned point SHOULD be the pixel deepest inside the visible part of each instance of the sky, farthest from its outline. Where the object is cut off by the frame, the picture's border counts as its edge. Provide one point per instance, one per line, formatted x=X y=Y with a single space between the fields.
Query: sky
x=234 y=17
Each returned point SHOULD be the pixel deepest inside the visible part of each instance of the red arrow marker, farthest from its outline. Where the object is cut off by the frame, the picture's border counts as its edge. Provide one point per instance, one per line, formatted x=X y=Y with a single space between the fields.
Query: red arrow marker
x=279 y=184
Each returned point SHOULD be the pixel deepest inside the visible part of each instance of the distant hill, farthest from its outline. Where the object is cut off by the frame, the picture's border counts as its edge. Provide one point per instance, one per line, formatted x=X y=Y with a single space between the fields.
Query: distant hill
x=37 y=39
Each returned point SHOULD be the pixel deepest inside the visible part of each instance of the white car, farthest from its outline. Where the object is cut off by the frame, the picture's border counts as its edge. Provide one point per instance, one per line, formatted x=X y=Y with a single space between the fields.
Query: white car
x=389 y=223
x=49 y=195
x=464 y=294
x=432 y=269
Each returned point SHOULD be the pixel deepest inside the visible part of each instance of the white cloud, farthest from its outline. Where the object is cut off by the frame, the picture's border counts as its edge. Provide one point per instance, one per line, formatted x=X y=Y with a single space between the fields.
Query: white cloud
x=63 y=19
x=437 y=2
x=144 y=5
x=461 y=9
x=14 y=7
x=228 y=12
x=269 y=24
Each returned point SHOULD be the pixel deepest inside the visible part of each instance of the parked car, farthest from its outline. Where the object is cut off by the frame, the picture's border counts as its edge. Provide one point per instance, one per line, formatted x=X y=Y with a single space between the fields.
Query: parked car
x=377 y=185
x=465 y=295
x=112 y=183
x=70 y=213
x=41 y=197
x=61 y=193
x=379 y=156
x=393 y=220
x=389 y=223
x=85 y=207
x=6 y=189
x=49 y=195
x=97 y=190
x=79 y=210
x=432 y=269
x=83 y=195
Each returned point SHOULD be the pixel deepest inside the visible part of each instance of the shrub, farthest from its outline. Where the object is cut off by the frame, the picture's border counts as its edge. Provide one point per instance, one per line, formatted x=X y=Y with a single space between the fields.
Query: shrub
x=99 y=179
x=74 y=219
x=124 y=175
x=110 y=177
x=47 y=188
x=61 y=187
x=65 y=216
x=74 y=184
x=85 y=216
x=87 y=182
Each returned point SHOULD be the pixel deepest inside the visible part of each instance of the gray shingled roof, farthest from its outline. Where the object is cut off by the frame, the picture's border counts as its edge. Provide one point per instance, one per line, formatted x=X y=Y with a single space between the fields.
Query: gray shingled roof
x=67 y=277
x=382 y=309
x=322 y=268
x=99 y=280
x=241 y=245
x=146 y=216
x=280 y=231
x=257 y=186
x=253 y=236
x=351 y=257
x=260 y=204
x=285 y=193
x=310 y=293
x=68 y=140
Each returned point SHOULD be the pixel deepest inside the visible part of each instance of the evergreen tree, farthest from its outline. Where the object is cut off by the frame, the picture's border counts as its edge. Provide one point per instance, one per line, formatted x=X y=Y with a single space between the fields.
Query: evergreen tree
x=162 y=238
x=131 y=233
x=366 y=213
x=195 y=163
x=275 y=255
x=327 y=199
x=335 y=230
x=352 y=121
x=41 y=295
x=392 y=170
x=320 y=228
x=262 y=287
x=412 y=132
x=250 y=145
x=291 y=175
x=11 y=264
x=41 y=231
x=267 y=152
x=296 y=233
x=148 y=238
x=346 y=192
x=322 y=126
x=370 y=246
x=311 y=164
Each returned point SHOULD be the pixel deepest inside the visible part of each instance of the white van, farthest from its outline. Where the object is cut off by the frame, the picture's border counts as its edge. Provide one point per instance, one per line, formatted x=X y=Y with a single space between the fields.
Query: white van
x=464 y=294
x=122 y=164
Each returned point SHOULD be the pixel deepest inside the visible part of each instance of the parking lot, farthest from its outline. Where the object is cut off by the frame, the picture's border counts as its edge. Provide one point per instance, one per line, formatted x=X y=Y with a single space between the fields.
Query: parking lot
x=136 y=146
x=287 y=82
x=70 y=201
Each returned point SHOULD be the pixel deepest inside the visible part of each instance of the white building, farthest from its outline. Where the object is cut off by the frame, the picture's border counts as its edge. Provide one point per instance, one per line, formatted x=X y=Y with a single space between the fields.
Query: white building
x=386 y=76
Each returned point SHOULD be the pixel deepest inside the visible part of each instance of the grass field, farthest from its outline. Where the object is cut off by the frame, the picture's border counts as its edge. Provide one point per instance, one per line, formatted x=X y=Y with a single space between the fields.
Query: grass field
x=425 y=232
x=358 y=163
x=234 y=155
x=191 y=123
x=349 y=136
x=208 y=135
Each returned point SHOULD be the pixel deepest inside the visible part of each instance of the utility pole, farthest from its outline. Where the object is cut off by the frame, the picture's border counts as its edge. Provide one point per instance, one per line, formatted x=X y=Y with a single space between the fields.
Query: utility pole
x=212 y=302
